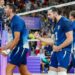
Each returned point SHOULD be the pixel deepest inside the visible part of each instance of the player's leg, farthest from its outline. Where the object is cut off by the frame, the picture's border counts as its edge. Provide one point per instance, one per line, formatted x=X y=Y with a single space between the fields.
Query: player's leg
x=53 y=65
x=70 y=66
x=52 y=71
x=73 y=59
x=23 y=66
x=13 y=60
x=63 y=58
x=9 y=69
x=23 y=70
x=62 y=71
x=42 y=66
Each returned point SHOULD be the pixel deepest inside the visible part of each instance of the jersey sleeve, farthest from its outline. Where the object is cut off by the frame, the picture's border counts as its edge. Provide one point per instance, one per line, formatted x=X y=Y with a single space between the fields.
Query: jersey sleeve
x=67 y=26
x=18 y=27
x=73 y=25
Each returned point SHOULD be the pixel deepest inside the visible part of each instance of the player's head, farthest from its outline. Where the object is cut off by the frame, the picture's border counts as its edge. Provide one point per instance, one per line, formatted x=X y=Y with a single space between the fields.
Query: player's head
x=54 y=12
x=72 y=15
x=1 y=2
x=9 y=9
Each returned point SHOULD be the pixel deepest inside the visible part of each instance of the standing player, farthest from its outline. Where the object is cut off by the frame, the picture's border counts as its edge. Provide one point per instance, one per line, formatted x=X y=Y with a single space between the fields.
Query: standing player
x=72 y=18
x=62 y=44
x=17 y=45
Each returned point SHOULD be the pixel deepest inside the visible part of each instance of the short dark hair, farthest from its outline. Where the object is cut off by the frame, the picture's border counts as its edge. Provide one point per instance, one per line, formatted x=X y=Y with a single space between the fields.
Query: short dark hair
x=72 y=13
x=12 y=6
x=58 y=10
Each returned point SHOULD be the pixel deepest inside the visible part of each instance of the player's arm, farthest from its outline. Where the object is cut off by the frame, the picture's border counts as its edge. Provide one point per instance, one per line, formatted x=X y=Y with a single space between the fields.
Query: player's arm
x=69 y=39
x=7 y=45
x=15 y=41
x=17 y=30
x=67 y=28
x=6 y=50
x=46 y=40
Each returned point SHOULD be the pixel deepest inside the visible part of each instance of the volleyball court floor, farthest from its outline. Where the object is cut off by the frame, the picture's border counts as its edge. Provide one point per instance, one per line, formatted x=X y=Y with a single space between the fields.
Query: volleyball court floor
x=43 y=74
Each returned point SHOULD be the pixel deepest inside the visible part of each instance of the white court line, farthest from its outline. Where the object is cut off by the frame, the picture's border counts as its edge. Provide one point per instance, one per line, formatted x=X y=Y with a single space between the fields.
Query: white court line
x=41 y=74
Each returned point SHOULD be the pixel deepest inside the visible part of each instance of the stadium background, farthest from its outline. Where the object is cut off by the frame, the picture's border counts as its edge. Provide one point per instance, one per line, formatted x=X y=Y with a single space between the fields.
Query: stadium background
x=36 y=21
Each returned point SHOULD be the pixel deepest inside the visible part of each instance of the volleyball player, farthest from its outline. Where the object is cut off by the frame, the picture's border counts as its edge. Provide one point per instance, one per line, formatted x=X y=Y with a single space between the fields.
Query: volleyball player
x=17 y=45
x=72 y=18
x=63 y=35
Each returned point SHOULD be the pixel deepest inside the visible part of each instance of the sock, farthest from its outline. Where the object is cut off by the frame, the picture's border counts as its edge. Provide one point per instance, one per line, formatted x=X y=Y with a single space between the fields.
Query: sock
x=62 y=73
x=52 y=73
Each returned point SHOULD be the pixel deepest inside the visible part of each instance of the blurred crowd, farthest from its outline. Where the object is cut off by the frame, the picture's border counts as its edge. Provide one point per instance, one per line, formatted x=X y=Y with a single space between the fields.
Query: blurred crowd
x=26 y=5
x=40 y=49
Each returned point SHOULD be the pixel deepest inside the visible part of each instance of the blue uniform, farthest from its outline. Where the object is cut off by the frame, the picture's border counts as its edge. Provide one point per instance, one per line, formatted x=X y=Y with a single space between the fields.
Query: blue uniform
x=18 y=54
x=61 y=58
x=48 y=49
x=73 y=24
x=73 y=44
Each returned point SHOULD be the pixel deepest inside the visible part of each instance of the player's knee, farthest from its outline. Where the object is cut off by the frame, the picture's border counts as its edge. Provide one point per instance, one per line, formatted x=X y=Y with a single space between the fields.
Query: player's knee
x=62 y=73
x=53 y=69
x=61 y=69
x=8 y=70
x=52 y=73
x=26 y=73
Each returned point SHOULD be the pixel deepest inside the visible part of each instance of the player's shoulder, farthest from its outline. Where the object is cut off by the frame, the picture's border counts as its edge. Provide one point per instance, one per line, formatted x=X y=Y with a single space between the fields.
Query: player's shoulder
x=73 y=22
x=18 y=20
x=66 y=21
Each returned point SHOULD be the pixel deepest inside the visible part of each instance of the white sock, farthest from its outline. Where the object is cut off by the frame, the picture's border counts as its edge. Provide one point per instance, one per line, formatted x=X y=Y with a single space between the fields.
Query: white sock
x=62 y=73
x=52 y=73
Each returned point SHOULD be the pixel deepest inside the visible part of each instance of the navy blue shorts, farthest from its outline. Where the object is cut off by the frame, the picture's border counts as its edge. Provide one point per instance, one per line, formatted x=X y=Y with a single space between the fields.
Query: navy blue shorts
x=60 y=59
x=73 y=59
x=18 y=56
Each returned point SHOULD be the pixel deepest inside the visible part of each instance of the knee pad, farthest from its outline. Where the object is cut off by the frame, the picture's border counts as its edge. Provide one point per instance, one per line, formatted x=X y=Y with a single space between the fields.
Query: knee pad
x=52 y=73
x=62 y=73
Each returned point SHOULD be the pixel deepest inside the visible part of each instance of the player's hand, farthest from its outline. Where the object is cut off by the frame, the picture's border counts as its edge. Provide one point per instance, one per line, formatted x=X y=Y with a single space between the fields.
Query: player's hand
x=56 y=48
x=1 y=49
x=4 y=54
x=36 y=35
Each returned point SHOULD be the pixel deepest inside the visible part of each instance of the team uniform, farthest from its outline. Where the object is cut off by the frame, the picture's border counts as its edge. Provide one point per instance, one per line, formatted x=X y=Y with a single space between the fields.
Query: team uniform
x=48 y=50
x=61 y=58
x=73 y=45
x=72 y=63
x=18 y=54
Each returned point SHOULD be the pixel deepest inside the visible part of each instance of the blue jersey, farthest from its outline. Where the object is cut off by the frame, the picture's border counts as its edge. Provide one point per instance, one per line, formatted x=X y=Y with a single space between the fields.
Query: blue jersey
x=20 y=51
x=73 y=44
x=61 y=28
x=18 y=25
x=73 y=25
x=48 y=49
